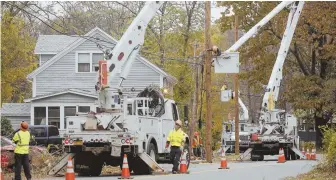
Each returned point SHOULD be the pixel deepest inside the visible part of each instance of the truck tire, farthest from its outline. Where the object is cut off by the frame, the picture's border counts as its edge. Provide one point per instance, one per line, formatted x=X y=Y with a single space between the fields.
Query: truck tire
x=256 y=158
x=287 y=155
x=152 y=152
x=293 y=156
x=89 y=160
x=140 y=167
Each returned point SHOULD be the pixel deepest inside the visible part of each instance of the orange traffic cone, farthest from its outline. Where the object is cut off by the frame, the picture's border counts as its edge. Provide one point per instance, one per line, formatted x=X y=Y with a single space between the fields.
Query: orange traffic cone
x=125 y=172
x=223 y=164
x=281 y=157
x=183 y=165
x=308 y=155
x=313 y=155
x=70 y=174
x=303 y=152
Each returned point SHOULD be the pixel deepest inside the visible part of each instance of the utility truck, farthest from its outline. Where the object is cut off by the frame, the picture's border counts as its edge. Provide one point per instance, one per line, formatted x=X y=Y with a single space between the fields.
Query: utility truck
x=245 y=131
x=136 y=126
x=278 y=129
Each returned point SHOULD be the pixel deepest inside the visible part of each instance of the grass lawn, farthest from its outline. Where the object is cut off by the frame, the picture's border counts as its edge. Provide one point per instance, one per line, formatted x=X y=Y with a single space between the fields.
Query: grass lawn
x=317 y=173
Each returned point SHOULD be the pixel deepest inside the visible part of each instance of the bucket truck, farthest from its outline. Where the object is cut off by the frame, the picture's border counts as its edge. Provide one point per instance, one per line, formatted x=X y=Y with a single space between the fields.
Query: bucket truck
x=136 y=126
x=278 y=129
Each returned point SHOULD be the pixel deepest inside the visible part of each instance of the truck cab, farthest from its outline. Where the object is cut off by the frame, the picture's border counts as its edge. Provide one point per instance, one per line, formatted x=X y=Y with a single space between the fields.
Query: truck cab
x=139 y=129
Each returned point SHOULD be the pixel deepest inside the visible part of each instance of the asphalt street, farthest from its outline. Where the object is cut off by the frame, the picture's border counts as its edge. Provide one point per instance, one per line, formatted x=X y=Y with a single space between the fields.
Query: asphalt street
x=246 y=170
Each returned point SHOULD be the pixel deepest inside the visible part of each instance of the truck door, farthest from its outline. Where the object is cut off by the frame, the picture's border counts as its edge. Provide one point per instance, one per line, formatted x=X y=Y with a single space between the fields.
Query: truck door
x=168 y=123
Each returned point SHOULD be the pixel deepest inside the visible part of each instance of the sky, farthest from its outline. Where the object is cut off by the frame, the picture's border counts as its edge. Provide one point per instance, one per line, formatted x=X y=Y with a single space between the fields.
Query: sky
x=215 y=11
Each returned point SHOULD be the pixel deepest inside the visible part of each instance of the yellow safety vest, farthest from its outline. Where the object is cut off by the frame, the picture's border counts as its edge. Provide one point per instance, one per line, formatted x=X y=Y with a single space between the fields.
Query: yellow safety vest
x=22 y=139
x=176 y=138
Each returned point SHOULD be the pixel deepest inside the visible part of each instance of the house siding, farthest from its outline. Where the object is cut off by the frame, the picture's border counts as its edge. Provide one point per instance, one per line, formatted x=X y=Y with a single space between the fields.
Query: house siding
x=62 y=74
x=46 y=57
x=16 y=120
x=66 y=98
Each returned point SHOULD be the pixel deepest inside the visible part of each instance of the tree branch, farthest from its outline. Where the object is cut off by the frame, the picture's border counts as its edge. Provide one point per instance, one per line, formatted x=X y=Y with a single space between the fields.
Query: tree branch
x=293 y=51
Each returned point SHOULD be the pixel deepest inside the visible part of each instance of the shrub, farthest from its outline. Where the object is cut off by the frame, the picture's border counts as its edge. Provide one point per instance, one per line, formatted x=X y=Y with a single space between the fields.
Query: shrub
x=6 y=126
x=329 y=146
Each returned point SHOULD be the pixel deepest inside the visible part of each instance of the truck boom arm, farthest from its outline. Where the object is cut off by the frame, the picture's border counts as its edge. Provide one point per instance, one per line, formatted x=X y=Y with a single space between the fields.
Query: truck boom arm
x=272 y=90
x=123 y=56
x=252 y=32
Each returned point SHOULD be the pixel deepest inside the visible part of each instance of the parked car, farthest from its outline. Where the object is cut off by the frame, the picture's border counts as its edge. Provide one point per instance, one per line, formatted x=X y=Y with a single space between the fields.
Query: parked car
x=7 y=152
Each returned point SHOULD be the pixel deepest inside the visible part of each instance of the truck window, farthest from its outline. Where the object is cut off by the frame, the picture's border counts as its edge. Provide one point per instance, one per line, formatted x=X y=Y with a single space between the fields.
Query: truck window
x=174 y=110
x=53 y=131
x=228 y=128
x=130 y=109
x=38 y=131
x=242 y=127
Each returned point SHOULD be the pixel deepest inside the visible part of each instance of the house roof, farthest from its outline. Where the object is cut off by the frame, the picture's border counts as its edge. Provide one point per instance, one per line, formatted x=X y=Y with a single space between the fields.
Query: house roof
x=71 y=44
x=53 y=44
x=15 y=109
x=65 y=91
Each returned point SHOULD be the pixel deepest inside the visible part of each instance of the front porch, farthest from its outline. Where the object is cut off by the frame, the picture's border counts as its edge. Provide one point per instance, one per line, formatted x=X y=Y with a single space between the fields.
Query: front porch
x=52 y=109
x=55 y=113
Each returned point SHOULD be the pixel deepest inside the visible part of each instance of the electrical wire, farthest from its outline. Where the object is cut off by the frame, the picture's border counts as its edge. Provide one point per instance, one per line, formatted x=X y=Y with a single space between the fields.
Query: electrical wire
x=174 y=59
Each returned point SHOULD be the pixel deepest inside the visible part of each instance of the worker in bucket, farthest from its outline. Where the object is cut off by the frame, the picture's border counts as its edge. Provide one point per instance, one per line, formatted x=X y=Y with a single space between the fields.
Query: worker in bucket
x=22 y=140
x=176 y=141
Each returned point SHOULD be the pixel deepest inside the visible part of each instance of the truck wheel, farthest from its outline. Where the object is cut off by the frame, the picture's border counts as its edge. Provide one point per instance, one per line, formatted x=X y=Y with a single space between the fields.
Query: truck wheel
x=261 y=157
x=287 y=155
x=253 y=157
x=95 y=169
x=293 y=155
x=92 y=163
x=152 y=151
x=140 y=167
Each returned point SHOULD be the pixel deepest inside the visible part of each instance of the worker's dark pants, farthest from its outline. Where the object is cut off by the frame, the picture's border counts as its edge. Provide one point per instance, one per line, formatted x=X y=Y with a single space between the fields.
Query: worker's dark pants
x=197 y=152
x=175 y=155
x=22 y=160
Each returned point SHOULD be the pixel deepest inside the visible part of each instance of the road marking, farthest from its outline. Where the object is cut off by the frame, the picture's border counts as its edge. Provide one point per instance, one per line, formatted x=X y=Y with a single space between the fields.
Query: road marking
x=200 y=172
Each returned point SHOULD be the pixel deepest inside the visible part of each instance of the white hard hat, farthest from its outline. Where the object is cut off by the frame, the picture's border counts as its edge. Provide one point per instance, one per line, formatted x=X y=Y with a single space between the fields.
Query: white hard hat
x=178 y=122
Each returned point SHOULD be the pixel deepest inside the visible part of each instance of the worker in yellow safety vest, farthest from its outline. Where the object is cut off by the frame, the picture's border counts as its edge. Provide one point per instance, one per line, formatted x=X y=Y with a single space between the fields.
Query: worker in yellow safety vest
x=176 y=141
x=22 y=139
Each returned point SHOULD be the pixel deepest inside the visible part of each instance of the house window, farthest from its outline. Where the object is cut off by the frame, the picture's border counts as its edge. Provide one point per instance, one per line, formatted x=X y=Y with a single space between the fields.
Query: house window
x=84 y=62
x=54 y=116
x=69 y=111
x=39 y=115
x=95 y=61
x=88 y=61
x=83 y=109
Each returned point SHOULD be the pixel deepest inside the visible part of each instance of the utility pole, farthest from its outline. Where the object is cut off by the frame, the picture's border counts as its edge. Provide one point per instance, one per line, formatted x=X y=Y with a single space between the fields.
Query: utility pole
x=208 y=59
x=236 y=97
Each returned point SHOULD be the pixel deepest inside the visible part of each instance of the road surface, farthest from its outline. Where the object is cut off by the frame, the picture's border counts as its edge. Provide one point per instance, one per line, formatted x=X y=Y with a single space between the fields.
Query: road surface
x=247 y=170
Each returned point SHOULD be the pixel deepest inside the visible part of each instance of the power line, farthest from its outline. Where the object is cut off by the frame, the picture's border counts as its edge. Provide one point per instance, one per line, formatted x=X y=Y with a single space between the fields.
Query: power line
x=174 y=59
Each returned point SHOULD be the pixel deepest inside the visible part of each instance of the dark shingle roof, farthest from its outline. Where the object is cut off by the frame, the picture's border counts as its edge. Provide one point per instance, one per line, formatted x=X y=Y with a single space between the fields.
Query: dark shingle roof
x=53 y=43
